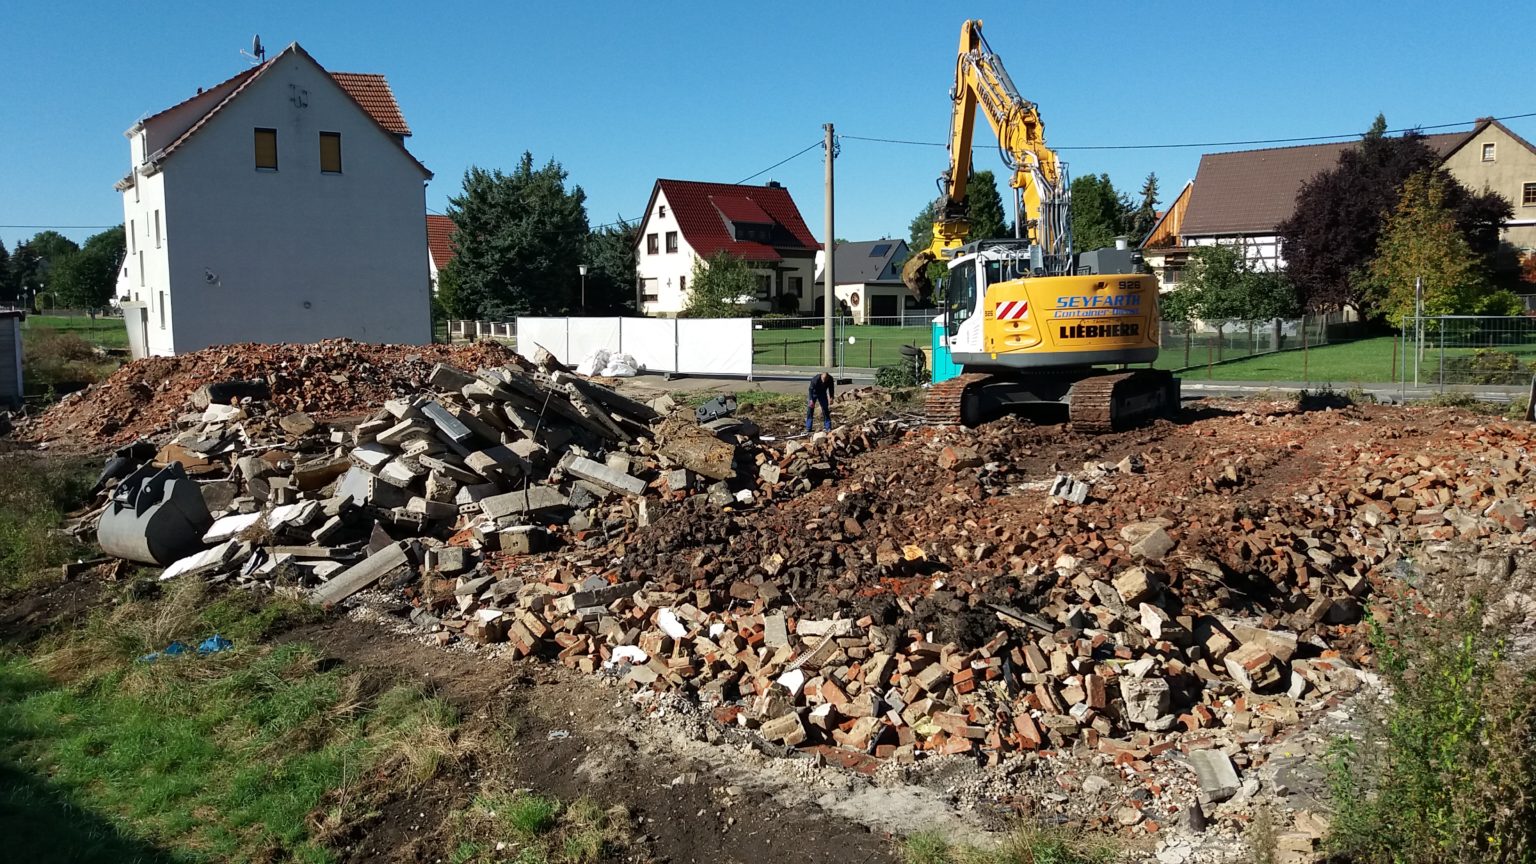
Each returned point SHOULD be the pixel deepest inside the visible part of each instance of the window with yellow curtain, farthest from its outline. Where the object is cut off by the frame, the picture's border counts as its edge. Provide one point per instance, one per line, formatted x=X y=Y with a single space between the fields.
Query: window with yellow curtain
x=330 y=152
x=266 y=149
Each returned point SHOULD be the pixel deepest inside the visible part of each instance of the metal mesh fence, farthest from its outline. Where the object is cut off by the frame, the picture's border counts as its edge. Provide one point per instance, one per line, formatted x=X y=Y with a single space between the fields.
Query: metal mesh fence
x=866 y=344
x=1463 y=350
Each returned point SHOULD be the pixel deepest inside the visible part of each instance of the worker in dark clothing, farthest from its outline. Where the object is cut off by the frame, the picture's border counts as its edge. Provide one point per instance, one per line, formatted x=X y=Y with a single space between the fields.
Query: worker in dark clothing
x=820 y=393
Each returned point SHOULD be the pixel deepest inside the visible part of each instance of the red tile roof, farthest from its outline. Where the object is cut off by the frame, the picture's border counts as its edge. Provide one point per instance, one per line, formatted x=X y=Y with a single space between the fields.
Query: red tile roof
x=440 y=239
x=740 y=209
x=1253 y=191
x=372 y=92
x=697 y=207
x=381 y=105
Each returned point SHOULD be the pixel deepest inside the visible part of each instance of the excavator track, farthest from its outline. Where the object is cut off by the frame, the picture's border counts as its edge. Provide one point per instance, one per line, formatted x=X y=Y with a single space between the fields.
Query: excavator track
x=1108 y=403
x=946 y=400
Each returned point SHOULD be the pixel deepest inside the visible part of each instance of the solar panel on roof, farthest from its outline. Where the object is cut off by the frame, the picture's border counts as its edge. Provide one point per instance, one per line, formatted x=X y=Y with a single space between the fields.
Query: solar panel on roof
x=880 y=250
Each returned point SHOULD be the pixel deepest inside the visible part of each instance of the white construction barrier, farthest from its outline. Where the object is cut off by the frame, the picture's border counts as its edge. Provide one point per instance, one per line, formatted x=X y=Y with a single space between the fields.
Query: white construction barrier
x=694 y=346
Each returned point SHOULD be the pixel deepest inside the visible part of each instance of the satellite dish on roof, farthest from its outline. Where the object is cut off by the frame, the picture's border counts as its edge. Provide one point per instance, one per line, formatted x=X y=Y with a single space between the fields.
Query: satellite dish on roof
x=257 y=53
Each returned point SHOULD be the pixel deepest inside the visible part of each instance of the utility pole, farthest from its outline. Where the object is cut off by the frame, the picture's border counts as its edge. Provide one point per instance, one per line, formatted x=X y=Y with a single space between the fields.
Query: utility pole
x=828 y=295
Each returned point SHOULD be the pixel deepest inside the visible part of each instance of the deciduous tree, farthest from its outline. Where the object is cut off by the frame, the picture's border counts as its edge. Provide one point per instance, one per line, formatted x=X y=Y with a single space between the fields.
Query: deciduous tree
x=1334 y=232
x=1422 y=241
x=722 y=287
x=1220 y=284
x=35 y=260
x=519 y=238
x=87 y=278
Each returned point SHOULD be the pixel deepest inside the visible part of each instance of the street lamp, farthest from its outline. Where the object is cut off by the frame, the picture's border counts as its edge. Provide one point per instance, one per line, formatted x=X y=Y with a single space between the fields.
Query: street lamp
x=582 y=268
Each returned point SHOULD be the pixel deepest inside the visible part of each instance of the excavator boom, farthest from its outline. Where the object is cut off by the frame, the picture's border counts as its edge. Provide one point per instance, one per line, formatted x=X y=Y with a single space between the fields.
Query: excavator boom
x=1038 y=180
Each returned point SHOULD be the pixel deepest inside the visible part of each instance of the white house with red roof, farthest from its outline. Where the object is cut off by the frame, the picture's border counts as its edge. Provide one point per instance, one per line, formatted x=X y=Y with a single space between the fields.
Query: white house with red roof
x=686 y=221
x=439 y=245
x=280 y=205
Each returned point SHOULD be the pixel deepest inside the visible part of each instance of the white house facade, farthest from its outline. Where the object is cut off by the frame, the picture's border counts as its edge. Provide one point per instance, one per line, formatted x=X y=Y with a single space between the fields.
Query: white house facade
x=278 y=206
x=686 y=221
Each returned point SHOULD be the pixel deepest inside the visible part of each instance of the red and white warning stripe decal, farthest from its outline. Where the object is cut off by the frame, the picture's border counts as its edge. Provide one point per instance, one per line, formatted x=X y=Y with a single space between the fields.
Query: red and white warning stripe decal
x=1011 y=310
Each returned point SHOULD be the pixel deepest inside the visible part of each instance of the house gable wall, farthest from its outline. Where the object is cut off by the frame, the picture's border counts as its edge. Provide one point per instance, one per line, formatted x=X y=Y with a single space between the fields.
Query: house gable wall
x=291 y=255
x=1513 y=166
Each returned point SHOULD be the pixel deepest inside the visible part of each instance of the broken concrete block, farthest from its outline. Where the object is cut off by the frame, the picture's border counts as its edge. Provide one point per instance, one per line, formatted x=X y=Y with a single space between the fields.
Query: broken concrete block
x=1147 y=702
x=361 y=575
x=297 y=424
x=1218 y=779
x=1136 y=585
x=605 y=476
x=534 y=499
x=1147 y=540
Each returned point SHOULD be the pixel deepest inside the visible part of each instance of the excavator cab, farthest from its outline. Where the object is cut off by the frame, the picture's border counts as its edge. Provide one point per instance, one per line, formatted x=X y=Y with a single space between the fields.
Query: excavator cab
x=959 y=290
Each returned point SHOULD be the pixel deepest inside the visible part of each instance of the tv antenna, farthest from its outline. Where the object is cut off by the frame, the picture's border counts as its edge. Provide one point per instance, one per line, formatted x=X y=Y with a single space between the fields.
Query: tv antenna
x=257 y=53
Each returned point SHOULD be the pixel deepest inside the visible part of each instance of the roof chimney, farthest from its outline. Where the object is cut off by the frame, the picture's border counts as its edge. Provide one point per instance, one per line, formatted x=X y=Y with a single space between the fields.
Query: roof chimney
x=774 y=184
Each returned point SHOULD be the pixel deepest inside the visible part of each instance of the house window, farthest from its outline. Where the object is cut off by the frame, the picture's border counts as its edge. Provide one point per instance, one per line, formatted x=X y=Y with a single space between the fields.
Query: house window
x=651 y=246
x=266 y=149
x=330 y=152
x=135 y=185
x=671 y=241
x=1488 y=152
x=133 y=242
x=157 y=229
x=795 y=285
x=162 y=310
x=661 y=211
x=141 y=268
x=682 y=285
x=764 y=286
x=1528 y=195
x=648 y=291
x=1172 y=275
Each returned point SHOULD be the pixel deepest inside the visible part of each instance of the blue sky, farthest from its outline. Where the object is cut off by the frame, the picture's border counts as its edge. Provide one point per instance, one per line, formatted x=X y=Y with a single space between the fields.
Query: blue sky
x=623 y=93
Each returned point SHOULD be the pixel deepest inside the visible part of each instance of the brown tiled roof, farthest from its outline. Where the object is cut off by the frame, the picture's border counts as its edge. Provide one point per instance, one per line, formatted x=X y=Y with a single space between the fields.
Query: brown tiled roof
x=1253 y=191
x=440 y=239
x=372 y=92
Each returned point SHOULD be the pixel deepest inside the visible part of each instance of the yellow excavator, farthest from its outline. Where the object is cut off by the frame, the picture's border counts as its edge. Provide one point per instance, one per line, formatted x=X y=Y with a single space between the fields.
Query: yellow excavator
x=1027 y=319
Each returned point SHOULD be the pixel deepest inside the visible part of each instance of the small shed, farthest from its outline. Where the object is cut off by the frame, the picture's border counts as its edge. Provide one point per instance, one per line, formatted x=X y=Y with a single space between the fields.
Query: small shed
x=10 y=357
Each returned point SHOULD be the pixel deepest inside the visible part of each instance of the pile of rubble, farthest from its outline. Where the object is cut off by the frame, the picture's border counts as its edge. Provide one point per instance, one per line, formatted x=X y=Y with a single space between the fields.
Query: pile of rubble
x=952 y=592
x=511 y=459
x=329 y=378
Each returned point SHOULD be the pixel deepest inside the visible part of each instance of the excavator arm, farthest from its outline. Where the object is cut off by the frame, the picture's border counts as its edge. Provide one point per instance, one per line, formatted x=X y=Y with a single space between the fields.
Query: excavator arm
x=1038 y=177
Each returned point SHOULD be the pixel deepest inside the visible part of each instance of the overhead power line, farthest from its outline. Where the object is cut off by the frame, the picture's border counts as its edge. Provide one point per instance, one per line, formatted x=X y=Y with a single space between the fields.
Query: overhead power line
x=814 y=145
x=1204 y=143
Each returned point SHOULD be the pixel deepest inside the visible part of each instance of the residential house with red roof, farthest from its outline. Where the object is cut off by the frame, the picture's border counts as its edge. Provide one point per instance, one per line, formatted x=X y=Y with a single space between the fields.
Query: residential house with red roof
x=439 y=246
x=686 y=221
x=1240 y=198
x=280 y=205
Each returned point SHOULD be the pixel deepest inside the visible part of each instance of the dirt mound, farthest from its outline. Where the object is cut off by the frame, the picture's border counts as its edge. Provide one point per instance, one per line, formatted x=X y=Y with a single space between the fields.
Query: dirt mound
x=326 y=379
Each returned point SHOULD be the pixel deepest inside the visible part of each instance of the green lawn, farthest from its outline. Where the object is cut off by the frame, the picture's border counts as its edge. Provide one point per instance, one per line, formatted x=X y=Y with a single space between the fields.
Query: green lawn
x=1365 y=361
x=244 y=755
x=105 y=332
x=874 y=345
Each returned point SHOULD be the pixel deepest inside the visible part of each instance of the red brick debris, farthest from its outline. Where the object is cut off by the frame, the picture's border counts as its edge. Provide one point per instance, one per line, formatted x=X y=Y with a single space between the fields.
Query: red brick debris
x=327 y=379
